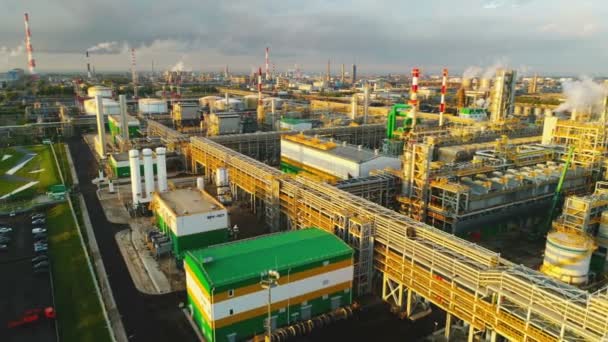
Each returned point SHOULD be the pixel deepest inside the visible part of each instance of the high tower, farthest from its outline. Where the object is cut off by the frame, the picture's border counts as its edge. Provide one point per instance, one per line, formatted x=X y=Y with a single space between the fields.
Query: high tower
x=502 y=95
x=444 y=86
x=267 y=64
x=342 y=75
x=133 y=74
x=31 y=63
x=328 y=75
x=354 y=74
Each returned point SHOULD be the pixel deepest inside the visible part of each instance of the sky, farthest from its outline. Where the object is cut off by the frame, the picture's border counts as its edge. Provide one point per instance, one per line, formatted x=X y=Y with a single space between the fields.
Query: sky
x=532 y=36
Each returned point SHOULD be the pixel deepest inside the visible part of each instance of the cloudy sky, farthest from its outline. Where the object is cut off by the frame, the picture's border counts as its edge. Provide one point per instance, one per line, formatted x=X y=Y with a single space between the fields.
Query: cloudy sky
x=552 y=36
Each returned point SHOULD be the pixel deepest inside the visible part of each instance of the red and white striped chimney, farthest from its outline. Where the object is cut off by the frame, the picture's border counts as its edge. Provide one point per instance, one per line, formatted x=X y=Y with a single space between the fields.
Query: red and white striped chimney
x=444 y=86
x=414 y=95
x=267 y=64
x=28 y=46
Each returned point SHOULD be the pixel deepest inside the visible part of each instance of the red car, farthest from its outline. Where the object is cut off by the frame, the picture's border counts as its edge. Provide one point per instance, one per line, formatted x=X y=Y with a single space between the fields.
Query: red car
x=32 y=316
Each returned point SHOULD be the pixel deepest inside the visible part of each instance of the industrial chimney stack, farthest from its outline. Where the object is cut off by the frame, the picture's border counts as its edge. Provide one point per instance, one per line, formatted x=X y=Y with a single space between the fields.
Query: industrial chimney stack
x=28 y=46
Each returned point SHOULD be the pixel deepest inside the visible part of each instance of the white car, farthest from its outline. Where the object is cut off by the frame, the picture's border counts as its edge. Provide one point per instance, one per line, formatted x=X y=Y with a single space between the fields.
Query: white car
x=38 y=230
x=5 y=230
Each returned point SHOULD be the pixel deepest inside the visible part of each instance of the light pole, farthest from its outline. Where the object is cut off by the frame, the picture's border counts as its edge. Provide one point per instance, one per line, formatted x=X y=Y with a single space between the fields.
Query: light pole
x=272 y=280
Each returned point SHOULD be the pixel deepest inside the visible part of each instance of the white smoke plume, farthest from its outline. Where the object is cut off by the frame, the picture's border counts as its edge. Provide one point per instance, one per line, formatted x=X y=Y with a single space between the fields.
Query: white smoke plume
x=107 y=48
x=490 y=71
x=582 y=95
x=180 y=66
x=12 y=52
x=471 y=72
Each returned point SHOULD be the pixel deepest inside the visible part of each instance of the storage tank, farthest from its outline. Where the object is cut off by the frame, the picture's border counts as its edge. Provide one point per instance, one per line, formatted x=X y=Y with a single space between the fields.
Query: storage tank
x=466 y=83
x=568 y=256
x=110 y=107
x=99 y=90
x=200 y=183
x=209 y=100
x=148 y=173
x=135 y=176
x=161 y=168
x=234 y=104
x=250 y=102
x=221 y=177
x=152 y=106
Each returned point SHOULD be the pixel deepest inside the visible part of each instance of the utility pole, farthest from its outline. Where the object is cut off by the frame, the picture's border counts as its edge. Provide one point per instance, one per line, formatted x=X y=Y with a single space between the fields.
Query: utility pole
x=272 y=280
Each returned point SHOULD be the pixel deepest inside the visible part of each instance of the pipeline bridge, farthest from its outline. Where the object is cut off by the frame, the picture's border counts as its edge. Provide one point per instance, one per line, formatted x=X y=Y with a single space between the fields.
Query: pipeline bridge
x=414 y=262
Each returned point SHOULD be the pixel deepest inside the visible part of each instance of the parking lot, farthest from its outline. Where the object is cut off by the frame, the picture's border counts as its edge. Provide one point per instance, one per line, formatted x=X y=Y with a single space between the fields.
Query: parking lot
x=21 y=289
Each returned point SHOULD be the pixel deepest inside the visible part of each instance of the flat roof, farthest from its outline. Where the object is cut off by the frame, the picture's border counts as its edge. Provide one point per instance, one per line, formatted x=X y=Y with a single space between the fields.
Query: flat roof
x=348 y=152
x=245 y=259
x=189 y=201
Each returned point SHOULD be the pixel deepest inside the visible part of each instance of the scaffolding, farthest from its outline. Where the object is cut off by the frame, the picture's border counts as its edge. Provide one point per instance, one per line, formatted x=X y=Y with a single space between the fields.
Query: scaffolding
x=588 y=139
x=380 y=188
x=583 y=213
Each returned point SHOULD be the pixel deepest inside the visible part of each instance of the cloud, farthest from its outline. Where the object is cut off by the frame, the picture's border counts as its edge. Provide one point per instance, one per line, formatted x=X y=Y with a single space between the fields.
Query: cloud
x=493 y=4
x=7 y=54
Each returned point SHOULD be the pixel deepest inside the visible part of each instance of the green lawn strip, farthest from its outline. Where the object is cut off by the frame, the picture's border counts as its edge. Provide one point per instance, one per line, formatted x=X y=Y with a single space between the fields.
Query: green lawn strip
x=7 y=186
x=78 y=309
x=63 y=163
x=43 y=160
x=10 y=162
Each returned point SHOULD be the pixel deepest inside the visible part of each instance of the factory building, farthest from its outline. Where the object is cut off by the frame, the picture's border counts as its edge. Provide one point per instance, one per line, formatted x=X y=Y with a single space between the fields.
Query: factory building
x=191 y=218
x=110 y=107
x=294 y=124
x=185 y=112
x=99 y=90
x=152 y=106
x=114 y=125
x=223 y=123
x=313 y=270
x=331 y=161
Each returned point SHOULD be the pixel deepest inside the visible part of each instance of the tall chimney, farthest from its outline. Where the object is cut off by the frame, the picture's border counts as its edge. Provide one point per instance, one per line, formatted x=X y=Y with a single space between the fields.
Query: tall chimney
x=342 y=75
x=89 y=76
x=148 y=174
x=101 y=128
x=31 y=62
x=444 y=85
x=267 y=64
x=354 y=75
x=161 y=168
x=135 y=176
x=328 y=75
x=414 y=96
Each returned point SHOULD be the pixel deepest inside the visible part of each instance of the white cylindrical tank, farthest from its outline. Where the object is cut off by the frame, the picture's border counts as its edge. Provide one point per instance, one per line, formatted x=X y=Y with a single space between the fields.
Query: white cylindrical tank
x=234 y=104
x=161 y=168
x=148 y=174
x=209 y=100
x=200 y=183
x=135 y=176
x=568 y=256
x=110 y=107
x=152 y=106
x=99 y=90
x=221 y=177
x=250 y=101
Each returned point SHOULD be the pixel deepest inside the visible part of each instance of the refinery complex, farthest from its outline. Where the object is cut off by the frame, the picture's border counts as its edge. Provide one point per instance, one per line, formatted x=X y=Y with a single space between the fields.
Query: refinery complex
x=286 y=204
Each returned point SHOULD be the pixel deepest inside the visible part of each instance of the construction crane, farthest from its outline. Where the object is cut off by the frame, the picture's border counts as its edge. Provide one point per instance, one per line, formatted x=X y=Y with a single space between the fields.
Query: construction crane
x=558 y=189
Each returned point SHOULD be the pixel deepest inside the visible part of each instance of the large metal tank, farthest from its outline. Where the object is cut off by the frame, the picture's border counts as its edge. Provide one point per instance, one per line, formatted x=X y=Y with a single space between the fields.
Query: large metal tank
x=221 y=177
x=209 y=100
x=466 y=83
x=235 y=104
x=250 y=101
x=152 y=106
x=99 y=90
x=148 y=173
x=135 y=176
x=110 y=107
x=161 y=168
x=568 y=256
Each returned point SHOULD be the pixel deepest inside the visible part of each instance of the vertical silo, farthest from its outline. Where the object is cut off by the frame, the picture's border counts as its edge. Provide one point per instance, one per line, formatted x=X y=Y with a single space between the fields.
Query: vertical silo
x=161 y=168
x=148 y=173
x=135 y=176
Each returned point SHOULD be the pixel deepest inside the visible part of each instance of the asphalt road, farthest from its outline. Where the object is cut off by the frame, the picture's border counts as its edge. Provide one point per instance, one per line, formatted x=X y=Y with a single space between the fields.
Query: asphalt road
x=20 y=288
x=145 y=317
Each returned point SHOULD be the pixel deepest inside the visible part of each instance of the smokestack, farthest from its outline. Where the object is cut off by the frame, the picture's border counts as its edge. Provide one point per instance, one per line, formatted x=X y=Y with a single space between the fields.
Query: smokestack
x=354 y=110
x=366 y=102
x=101 y=128
x=444 y=85
x=133 y=74
x=89 y=76
x=135 y=176
x=161 y=168
x=354 y=75
x=342 y=76
x=328 y=76
x=31 y=63
x=267 y=64
x=124 y=123
x=414 y=95
x=260 y=109
x=148 y=173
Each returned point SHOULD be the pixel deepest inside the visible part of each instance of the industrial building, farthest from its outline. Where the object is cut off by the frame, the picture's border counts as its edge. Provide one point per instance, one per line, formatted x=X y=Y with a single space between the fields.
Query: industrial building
x=330 y=160
x=152 y=106
x=191 y=218
x=110 y=107
x=311 y=273
x=114 y=124
x=119 y=164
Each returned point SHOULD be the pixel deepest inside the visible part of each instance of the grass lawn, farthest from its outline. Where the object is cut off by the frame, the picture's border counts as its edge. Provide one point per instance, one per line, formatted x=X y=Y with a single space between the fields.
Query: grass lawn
x=43 y=160
x=10 y=162
x=78 y=308
x=8 y=186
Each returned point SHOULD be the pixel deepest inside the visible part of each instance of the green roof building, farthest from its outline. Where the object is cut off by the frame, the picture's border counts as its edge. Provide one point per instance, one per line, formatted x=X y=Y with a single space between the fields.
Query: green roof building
x=227 y=300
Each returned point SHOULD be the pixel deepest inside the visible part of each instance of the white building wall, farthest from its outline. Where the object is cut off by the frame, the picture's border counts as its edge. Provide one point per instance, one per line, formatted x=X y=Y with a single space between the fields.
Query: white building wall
x=197 y=292
x=301 y=287
x=202 y=222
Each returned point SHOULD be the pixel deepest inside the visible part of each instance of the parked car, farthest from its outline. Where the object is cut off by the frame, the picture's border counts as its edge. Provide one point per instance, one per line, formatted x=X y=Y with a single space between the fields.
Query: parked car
x=38 y=230
x=3 y=248
x=38 y=221
x=41 y=270
x=43 y=241
x=37 y=216
x=40 y=258
x=39 y=236
x=40 y=243
x=5 y=230
x=5 y=239
x=41 y=248
x=44 y=263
